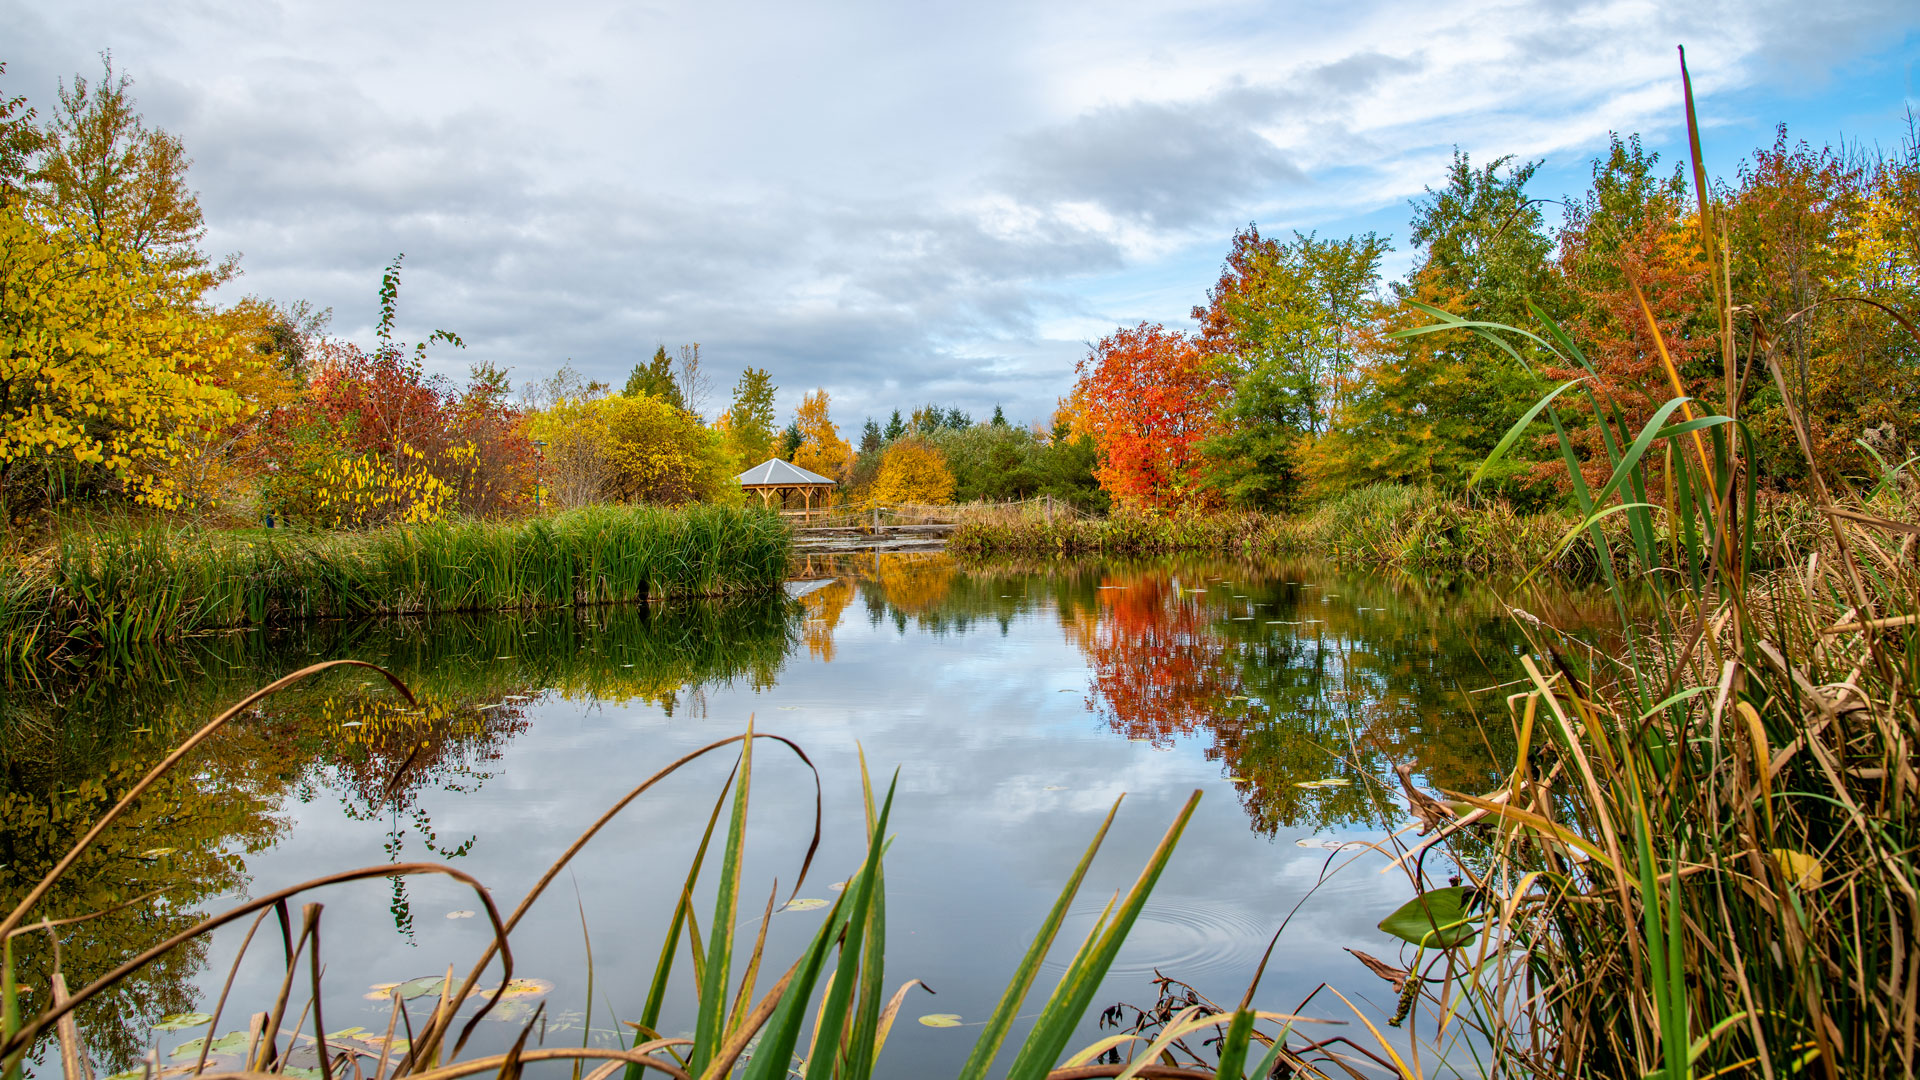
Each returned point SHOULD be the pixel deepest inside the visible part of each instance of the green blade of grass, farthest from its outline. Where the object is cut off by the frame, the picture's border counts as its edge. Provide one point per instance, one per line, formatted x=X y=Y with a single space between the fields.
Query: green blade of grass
x=988 y=1045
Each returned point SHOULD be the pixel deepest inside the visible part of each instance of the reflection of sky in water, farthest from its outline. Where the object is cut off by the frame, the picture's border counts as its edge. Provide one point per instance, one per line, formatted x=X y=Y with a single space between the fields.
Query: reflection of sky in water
x=1017 y=706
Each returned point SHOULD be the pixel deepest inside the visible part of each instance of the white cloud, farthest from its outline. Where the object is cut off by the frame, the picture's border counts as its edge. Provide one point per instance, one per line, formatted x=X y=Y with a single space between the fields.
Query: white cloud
x=894 y=201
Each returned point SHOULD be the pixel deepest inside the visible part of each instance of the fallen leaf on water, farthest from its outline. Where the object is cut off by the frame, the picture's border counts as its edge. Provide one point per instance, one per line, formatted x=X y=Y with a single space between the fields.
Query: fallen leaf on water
x=461 y=914
x=182 y=1021
x=383 y=986
x=154 y=853
x=941 y=1020
x=1237 y=780
x=804 y=904
x=838 y=886
x=1331 y=781
x=345 y=1033
x=1055 y=787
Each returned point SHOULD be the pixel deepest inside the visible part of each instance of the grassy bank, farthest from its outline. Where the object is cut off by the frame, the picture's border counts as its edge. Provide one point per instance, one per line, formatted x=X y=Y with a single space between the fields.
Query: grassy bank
x=117 y=587
x=1383 y=524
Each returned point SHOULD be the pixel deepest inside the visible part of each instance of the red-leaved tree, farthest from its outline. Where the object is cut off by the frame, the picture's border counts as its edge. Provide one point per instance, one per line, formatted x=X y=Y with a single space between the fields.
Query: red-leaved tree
x=1148 y=396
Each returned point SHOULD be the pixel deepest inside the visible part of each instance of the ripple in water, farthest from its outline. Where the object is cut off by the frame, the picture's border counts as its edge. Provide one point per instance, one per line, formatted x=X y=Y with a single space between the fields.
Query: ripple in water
x=1190 y=940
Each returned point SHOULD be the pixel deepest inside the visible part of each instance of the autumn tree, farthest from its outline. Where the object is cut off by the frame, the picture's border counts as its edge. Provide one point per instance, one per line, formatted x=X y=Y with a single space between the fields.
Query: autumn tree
x=1429 y=409
x=101 y=370
x=821 y=448
x=20 y=140
x=637 y=447
x=1149 y=397
x=1632 y=231
x=656 y=378
x=747 y=424
x=912 y=471
x=126 y=181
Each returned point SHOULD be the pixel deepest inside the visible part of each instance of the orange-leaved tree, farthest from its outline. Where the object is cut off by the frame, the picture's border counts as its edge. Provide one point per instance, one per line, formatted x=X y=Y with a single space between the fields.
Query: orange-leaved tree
x=1148 y=396
x=822 y=450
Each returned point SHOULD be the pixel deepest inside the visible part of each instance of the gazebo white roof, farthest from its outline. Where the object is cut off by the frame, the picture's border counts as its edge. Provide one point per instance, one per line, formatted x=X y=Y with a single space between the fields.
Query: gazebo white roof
x=774 y=472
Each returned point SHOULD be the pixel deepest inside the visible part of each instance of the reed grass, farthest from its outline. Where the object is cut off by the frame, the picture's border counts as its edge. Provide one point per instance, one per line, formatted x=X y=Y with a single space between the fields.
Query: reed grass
x=122 y=586
x=1705 y=860
x=1391 y=525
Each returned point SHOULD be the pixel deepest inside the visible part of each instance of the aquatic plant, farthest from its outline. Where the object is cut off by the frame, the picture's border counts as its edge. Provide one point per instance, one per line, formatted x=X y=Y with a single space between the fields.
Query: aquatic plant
x=125 y=585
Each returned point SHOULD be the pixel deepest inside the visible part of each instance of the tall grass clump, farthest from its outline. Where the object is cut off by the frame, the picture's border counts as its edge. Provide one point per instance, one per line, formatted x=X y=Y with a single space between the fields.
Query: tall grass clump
x=127 y=585
x=1706 y=858
x=1394 y=525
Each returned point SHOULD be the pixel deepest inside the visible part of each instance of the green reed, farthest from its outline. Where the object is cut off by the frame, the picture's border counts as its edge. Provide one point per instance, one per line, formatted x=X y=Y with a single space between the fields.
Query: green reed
x=124 y=585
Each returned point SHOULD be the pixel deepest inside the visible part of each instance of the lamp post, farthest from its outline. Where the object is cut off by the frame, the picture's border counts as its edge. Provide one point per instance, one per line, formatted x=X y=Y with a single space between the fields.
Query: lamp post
x=540 y=446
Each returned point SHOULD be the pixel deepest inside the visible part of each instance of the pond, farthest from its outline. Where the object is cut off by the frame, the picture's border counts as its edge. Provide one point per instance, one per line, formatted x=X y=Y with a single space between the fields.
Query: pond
x=1016 y=701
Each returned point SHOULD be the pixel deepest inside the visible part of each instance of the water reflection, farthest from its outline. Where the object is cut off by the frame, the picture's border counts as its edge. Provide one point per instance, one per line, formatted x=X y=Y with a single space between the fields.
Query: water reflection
x=1019 y=698
x=73 y=742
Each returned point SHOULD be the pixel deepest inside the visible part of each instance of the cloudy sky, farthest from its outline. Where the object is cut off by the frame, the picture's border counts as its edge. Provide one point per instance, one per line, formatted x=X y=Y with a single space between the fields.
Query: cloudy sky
x=900 y=202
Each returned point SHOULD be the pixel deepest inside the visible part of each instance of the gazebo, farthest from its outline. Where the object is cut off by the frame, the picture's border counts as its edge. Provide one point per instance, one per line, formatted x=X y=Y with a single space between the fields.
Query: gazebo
x=775 y=478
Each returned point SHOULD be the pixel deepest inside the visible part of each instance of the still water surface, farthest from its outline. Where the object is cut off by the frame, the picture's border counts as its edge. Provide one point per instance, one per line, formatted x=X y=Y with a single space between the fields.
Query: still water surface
x=1017 y=702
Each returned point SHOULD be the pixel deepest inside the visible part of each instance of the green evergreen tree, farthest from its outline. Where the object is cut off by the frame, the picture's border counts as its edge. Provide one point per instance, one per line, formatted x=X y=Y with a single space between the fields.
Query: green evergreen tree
x=655 y=378
x=896 y=427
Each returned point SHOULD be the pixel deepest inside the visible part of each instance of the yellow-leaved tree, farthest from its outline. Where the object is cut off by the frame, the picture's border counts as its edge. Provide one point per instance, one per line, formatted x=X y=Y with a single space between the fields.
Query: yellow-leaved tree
x=912 y=471
x=822 y=450
x=104 y=360
x=631 y=449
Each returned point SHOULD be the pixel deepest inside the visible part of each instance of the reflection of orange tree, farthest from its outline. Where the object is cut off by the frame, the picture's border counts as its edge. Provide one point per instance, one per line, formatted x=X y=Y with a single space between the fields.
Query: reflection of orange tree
x=1158 y=668
x=824 y=607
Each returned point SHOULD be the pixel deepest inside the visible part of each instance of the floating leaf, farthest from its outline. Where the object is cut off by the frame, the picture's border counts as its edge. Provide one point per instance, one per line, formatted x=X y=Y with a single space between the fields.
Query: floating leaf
x=804 y=904
x=1055 y=787
x=1436 y=918
x=838 y=886
x=345 y=1033
x=1237 y=780
x=461 y=914
x=1331 y=781
x=182 y=1021
x=941 y=1020
x=1804 y=870
x=407 y=991
x=232 y=1042
x=155 y=853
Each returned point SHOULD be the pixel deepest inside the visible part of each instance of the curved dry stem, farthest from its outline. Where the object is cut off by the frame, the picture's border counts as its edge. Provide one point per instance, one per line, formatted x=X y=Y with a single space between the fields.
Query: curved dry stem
x=32 y=1029
x=20 y=910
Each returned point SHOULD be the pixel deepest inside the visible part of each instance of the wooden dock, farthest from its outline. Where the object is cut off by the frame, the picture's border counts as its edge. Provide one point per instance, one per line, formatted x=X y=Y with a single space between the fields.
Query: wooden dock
x=825 y=540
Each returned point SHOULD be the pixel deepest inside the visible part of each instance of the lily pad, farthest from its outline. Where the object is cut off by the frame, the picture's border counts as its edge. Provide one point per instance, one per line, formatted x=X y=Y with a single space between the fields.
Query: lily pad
x=1437 y=918
x=233 y=1042
x=941 y=1020
x=407 y=991
x=804 y=903
x=182 y=1021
